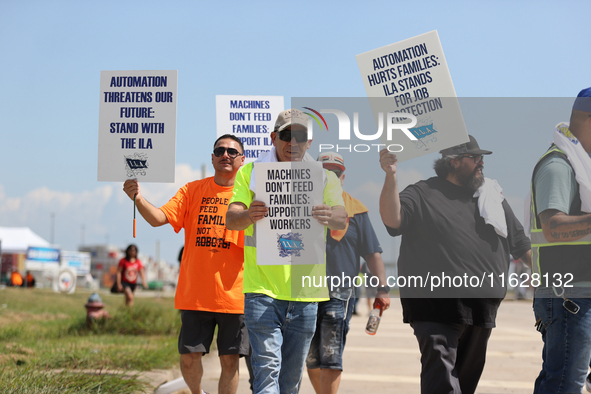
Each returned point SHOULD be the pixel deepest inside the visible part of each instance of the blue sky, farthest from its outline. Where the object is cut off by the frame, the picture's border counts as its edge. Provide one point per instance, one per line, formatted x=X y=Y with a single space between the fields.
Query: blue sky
x=53 y=52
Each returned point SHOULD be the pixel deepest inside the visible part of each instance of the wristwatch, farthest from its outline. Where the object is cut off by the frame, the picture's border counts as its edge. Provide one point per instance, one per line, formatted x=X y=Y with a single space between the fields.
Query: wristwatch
x=383 y=288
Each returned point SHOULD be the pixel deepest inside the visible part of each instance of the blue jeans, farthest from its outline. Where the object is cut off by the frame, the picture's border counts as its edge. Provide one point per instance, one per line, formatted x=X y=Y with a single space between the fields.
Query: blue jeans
x=280 y=333
x=332 y=326
x=567 y=344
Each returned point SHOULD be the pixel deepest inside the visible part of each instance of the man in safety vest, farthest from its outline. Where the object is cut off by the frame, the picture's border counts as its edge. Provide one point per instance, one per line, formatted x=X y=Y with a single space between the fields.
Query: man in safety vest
x=279 y=310
x=561 y=252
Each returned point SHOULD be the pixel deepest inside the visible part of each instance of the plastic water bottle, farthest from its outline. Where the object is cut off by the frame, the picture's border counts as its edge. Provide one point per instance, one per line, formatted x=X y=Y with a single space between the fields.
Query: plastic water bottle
x=374 y=321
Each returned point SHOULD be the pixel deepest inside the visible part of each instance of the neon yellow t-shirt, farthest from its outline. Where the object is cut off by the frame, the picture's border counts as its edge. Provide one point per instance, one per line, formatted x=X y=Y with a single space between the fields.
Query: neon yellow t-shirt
x=282 y=282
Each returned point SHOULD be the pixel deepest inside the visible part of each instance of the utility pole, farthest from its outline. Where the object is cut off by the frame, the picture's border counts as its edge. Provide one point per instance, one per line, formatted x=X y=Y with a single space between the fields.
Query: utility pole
x=158 y=258
x=51 y=227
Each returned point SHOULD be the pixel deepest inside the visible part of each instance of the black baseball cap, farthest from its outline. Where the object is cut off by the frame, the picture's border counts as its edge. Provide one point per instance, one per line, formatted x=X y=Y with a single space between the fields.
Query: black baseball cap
x=470 y=148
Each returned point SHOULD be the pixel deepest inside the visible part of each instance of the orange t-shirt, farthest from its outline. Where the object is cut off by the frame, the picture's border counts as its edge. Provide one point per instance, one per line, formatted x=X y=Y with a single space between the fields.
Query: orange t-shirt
x=213 y=260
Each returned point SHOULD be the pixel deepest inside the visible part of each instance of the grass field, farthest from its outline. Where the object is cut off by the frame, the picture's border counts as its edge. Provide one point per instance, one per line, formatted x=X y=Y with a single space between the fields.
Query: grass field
x=45 y=343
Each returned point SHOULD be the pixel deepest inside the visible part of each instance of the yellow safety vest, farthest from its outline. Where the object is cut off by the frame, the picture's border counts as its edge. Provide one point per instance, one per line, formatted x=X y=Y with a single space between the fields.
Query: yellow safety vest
x=564 y=255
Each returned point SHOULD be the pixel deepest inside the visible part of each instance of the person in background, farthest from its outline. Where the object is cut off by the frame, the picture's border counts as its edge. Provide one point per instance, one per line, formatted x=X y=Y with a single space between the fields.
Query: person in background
x=16 y=279
x=344 y=249
x=127 y=274
x=30 y=279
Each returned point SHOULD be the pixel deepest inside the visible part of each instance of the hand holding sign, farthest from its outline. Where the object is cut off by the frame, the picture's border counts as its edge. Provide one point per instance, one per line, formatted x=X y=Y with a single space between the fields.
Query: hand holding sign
x=257 y=211
x=322 y=213
x=131 y=187
x=154 y=216
x=388 y=162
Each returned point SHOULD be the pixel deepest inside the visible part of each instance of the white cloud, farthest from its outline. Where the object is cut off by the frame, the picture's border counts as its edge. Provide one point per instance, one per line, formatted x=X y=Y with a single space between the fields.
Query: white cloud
x=26 y=210
x=96 y=216
x=8 y=204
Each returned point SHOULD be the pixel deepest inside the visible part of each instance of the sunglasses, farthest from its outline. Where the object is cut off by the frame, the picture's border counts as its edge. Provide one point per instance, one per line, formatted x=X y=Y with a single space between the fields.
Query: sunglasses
x=220 y=150
x=477 y=158
x=286 y=135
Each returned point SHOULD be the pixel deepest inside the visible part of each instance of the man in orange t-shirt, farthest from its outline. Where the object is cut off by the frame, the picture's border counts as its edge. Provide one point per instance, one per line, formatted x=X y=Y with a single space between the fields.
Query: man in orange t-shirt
x=209 y=290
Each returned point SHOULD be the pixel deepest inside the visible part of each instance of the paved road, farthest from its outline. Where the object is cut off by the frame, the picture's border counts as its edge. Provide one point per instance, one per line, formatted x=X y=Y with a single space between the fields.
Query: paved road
x=389 y=361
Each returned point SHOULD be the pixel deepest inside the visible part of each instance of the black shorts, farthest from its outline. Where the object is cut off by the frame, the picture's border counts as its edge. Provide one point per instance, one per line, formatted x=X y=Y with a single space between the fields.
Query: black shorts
x=130 y=285
x=198 y=328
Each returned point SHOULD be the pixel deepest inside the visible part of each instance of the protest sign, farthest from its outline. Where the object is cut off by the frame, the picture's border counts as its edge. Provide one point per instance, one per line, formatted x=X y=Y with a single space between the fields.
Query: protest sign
x=65 y=280
x=76 y=261
x=137 y=125
x=412 y=77
x=250 y=118
x=290 y=190
x=42 y=259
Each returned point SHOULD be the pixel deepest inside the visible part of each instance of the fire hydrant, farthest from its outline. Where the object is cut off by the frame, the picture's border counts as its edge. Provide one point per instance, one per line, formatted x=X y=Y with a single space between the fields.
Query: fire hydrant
x=95 y=309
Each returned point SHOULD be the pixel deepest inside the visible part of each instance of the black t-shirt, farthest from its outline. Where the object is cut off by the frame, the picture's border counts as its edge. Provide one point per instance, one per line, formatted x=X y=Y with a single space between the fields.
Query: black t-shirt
x=444 y=236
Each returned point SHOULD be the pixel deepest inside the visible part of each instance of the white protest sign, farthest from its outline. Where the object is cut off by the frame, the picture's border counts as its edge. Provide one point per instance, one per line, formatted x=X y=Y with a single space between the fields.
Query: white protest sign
x=250 y=118
x=137 y=126
x=78 y=261
x=289 y=235
x=412 y=77
x=42 y=259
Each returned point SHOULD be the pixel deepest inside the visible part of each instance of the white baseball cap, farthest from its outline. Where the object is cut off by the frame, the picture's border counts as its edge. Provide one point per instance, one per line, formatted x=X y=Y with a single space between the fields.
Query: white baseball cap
x=331 y=161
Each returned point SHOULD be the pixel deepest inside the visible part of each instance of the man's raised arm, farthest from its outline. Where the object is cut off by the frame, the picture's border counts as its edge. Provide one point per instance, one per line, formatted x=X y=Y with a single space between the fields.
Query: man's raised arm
x=389 y=198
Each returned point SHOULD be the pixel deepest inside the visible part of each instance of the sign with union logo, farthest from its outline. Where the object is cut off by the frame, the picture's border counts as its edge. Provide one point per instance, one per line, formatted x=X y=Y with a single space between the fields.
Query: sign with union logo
x=137 y=126
x=291 y=235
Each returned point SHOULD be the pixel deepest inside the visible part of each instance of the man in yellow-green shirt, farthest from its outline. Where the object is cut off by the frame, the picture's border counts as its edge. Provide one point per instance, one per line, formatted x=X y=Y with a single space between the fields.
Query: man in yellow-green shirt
x=280 y=312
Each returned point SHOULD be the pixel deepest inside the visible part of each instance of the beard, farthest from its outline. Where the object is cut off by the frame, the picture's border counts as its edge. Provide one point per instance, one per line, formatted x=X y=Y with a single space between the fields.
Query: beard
x=470 y=180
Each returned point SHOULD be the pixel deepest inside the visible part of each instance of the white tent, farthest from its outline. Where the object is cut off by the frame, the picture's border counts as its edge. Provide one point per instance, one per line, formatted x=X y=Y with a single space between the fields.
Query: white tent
x=18 y=239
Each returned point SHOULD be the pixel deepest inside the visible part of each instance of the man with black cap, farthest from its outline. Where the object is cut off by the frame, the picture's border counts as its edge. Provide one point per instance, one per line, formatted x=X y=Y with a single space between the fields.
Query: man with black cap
x=454 y=226
x=281 y=322
x=561 y=249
